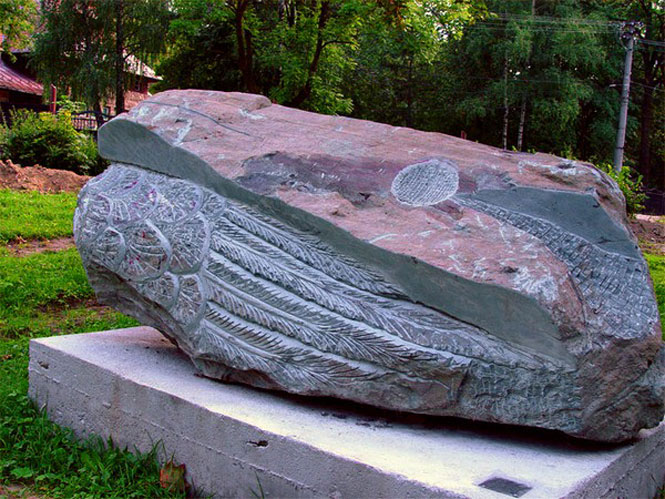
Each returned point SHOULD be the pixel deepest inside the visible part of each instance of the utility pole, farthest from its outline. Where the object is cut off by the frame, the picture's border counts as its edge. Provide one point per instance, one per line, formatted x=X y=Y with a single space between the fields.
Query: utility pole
x=525 y=92
x=506 y=109
x=630 y=30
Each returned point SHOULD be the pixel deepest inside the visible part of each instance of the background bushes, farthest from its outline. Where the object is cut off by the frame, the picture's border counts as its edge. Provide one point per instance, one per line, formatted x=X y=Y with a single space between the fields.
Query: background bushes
x=630 y=183
x=48 y=140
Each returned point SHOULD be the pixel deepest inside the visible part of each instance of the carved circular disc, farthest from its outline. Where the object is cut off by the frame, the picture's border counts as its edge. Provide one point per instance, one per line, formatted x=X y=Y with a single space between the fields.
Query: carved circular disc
x=426 y=183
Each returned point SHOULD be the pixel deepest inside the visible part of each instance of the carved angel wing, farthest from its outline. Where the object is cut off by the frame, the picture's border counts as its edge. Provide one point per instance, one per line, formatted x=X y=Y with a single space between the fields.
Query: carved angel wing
x=265 y=303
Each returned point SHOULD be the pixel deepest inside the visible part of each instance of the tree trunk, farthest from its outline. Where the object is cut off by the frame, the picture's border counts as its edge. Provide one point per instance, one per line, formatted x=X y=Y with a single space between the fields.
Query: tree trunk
x=245 y=51
x=506 y=110
x=520 y=129
x=409 y=95
x=286 y=9
x=306 y=90
x=119 y=58
x=646 y=120
x=97 y=108
x=525 y=95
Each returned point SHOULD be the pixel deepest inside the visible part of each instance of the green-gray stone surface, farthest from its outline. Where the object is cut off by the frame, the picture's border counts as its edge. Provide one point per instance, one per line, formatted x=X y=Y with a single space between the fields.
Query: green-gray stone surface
x=414 y=271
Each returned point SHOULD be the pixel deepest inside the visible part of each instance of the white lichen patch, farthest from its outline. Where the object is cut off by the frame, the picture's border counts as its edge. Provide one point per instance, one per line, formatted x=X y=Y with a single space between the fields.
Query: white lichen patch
x=543 y=287
x=182 y=132
x=251 y=116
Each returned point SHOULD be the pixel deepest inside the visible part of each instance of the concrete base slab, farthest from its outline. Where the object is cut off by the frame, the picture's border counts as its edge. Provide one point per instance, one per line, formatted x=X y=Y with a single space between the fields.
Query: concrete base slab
x=135 y=387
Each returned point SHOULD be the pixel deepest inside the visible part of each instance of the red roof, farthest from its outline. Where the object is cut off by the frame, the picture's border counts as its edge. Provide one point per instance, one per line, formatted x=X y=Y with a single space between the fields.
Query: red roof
x=13 y=80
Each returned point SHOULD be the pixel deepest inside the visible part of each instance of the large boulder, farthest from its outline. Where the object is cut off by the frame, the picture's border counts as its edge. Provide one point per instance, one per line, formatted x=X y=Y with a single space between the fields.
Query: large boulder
x=414 y=271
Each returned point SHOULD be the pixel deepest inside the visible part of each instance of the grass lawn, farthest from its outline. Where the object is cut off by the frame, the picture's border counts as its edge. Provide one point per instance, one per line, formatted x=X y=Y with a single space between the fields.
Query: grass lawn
x=43 y=294
x=657 y=269
x=31 y=215
x=47 y=293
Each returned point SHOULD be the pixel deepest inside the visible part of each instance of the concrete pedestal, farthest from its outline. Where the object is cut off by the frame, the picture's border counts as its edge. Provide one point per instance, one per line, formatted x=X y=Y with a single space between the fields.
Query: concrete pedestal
x=135 y=387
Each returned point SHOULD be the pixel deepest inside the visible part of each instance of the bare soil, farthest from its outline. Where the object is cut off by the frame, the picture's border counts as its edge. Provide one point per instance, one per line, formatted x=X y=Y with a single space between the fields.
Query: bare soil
x=650 y=231
x=18 y=491
x=38 y=178
x=57 y=311
x=20 y=247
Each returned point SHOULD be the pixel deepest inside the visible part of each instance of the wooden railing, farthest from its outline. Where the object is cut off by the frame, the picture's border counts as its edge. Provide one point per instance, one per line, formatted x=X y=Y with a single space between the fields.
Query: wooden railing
x=89 y=120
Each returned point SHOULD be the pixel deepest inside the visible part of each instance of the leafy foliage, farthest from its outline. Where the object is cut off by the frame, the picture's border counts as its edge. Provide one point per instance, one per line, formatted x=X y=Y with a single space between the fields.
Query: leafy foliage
x=630 y=183
x=17 y=22
x=86 y=46
x=296 y=52
x=48 y=140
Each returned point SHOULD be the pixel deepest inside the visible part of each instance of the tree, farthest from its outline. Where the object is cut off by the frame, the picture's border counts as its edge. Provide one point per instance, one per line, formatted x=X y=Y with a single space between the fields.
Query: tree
x=309 y=53
x=86 y=44
x=647 y=93
x=536 y=80
x=395 y=77
x=201 y=48
x=294 y=51
x=17 y=23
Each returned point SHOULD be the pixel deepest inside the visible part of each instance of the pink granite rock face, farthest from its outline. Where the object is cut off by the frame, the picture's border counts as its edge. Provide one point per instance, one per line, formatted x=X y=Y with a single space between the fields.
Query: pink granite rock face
x=414 y=271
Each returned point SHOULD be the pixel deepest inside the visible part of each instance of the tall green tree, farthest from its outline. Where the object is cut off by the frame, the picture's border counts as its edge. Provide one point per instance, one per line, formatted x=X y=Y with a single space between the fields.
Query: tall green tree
x=86 y=45
x=17 y=23
x=396 y=75
x=532 y=74
x=201 y=48
x=295 y=51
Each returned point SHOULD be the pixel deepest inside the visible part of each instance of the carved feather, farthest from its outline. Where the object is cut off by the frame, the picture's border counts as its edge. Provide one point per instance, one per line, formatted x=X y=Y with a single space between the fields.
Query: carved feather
x=310 y=250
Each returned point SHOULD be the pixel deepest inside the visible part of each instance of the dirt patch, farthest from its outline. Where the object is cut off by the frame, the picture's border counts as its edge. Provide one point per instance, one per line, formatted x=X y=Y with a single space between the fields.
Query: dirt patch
x=16 y=491
x=21 y=247
x=38 y=178
x=650 y=232
x=56 y=312
x=66 y=304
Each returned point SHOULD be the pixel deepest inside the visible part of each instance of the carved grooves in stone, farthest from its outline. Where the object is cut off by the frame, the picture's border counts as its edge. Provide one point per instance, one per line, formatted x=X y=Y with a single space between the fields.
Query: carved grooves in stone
x=262 y=304
x=310 y=250
x=614 y=286
x=258 y=296
x=278 y=268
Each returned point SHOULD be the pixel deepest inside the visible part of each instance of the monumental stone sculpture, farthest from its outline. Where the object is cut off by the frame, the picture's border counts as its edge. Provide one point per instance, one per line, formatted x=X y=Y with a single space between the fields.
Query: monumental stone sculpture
x=413 y=271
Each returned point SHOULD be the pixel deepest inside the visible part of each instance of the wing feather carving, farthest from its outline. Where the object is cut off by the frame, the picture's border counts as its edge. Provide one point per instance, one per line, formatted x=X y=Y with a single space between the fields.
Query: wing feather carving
x=310 y=250
x=280 y=308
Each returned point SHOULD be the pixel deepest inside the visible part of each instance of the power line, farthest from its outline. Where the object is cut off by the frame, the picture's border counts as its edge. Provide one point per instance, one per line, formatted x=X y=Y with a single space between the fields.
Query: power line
x=540 y=29
x=504 y=23
x=657 y=89
x=651 y=49
x=560 y=81
x=655 y=43
x=557 y=20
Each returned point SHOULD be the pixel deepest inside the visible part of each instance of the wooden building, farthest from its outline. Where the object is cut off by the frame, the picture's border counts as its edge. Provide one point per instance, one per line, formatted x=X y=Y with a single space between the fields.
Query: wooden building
x=18 y=87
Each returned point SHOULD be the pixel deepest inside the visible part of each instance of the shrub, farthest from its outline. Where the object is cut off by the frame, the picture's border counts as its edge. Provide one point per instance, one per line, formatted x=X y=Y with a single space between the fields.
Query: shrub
x=630 y=183
x=49 y=140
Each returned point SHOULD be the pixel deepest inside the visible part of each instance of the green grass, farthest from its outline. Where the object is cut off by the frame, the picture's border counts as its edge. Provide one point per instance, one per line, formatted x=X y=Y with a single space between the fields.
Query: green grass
x=31 y=215
x=30 y=283
x=42 y=295
x=657 y=270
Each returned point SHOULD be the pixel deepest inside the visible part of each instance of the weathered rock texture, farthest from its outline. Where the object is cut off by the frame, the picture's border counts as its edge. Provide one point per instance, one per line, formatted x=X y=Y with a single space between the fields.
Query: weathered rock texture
x=413 y=271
